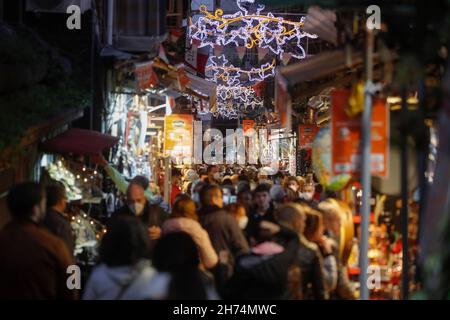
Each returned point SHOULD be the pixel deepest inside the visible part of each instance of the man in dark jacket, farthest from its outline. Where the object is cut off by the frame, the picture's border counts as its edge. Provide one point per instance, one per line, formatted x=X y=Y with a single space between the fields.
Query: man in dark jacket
x=151 y=215
x=56 y=221
x=33 y=261
x=308 y=256
x=223 y=230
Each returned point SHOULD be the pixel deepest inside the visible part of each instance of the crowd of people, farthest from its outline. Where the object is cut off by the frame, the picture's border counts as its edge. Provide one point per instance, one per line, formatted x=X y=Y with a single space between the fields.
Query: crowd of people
x=228 y=234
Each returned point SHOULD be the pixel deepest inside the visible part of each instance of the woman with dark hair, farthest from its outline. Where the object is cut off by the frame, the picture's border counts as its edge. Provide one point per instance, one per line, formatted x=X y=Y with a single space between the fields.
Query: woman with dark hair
x=124 y=273
x=177 y=259
x=184 y=219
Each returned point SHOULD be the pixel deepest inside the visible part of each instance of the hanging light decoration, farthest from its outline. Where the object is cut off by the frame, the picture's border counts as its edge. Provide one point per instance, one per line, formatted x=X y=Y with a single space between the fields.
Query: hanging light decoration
x=226 y=73
x=249 y=29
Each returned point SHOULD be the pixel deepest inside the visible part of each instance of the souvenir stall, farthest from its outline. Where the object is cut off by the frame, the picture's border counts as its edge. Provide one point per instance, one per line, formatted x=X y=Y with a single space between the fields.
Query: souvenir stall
x=65 y=162
x=149 y=93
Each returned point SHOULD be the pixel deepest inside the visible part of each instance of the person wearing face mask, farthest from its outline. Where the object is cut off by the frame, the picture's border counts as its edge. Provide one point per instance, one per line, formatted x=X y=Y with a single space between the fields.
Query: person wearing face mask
x=239 y=213
x=151 y=215
x=292 y=183
x=195 y=192
x=213 y=175
x=34 y=262
x=307 y=194
x=56 y=221
x=226 y=237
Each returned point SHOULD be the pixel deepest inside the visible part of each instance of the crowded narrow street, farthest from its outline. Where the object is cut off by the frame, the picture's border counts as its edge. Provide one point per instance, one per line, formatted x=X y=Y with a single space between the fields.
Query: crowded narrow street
x=234 y=150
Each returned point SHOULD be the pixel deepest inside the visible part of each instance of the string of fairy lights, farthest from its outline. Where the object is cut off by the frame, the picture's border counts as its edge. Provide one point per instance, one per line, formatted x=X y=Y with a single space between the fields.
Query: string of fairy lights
x=249 y=27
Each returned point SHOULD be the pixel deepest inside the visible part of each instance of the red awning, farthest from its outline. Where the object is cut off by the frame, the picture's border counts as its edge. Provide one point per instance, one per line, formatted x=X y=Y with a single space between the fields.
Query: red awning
x=79 y=141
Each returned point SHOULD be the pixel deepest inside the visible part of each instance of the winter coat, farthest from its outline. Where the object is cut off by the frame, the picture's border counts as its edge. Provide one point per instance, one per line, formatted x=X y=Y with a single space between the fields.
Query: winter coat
x=33 y=263
x=226 y=237
x=152 y=216
x=120 y=283
x=310 y=262
x=264 y=273
x=208 y=255
x=59 y=225
x=254 y=220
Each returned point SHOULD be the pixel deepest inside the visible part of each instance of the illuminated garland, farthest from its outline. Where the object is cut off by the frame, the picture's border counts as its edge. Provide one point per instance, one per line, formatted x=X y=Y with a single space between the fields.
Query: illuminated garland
x=243 y=28
x=224 y=72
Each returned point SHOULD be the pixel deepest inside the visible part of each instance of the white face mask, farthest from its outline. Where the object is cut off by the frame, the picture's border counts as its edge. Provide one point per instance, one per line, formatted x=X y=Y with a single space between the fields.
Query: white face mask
x=137 y=208
x=306 y=195
x=242 y=222
x=216 y=176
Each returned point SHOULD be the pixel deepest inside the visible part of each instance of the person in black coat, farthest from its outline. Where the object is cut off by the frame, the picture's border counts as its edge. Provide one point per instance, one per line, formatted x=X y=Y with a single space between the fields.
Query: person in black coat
x=308 y=258
x=56 y=221
x=265 y=273
x=226 y=237
x=151 y=215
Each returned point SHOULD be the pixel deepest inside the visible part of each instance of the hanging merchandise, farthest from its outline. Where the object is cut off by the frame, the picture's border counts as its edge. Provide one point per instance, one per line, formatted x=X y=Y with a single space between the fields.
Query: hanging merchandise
x=59 y=172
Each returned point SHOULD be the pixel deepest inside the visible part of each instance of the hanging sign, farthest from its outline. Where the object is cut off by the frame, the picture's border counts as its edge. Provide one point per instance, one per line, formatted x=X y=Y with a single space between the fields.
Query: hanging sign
x=346 y=137
x=178 y=136
x=306 y=135
x=145 y=75
x=283 y=103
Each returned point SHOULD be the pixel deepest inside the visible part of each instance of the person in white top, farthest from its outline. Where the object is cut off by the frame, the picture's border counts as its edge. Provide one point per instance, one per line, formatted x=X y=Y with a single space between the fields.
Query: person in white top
x=124 y=273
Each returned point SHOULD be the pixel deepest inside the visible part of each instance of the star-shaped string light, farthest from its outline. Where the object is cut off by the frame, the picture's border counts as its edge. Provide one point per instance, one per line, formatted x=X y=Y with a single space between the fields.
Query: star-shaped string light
x=244 y=28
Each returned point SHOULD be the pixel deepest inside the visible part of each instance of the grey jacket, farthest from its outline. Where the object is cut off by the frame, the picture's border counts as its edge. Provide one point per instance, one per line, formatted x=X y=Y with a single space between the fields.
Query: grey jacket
x=226 y=237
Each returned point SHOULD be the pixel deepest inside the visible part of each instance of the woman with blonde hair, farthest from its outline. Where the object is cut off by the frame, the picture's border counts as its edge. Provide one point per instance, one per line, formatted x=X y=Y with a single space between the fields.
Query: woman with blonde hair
x=338 y=222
